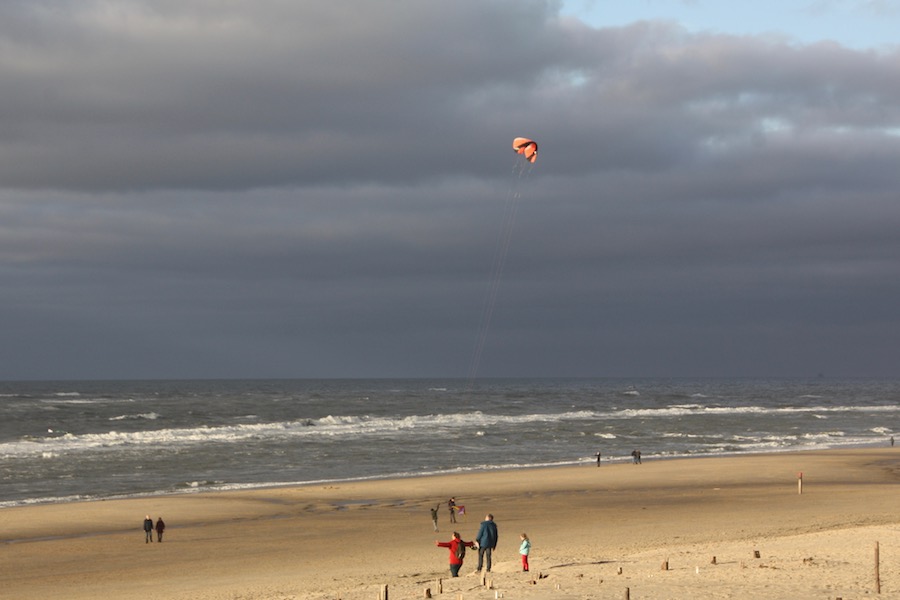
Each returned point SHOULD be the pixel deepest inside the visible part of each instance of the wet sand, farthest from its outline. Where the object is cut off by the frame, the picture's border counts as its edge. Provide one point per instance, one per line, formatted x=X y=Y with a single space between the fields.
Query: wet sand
x=586 y=524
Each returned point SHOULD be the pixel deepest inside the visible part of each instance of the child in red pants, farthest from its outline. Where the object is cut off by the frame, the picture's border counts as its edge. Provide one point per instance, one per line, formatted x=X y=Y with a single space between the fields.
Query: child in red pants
x=524 y=549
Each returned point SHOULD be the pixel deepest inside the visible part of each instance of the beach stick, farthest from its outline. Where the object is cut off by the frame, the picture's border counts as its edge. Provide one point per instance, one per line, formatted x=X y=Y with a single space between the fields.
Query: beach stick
x=877 y=570
x=383 y=593
x=627 y=594
x=440 y=586
x=800 y=482
x=665 y=565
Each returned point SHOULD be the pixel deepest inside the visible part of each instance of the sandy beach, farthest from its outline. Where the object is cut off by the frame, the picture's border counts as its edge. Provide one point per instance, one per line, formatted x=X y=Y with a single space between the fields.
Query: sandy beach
x=596 y=532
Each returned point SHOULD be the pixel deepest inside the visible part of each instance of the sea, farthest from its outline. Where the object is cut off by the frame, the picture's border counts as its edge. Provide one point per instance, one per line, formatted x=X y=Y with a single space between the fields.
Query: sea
x=66 y=441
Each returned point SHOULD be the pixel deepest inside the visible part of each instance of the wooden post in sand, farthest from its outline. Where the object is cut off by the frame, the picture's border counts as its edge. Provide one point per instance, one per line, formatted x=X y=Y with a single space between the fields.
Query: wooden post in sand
x=665 y=565
x=877 y=570
x=627 y=594
x=427 y=593
x=440 y=586
x=383 y=593
x=800 y=482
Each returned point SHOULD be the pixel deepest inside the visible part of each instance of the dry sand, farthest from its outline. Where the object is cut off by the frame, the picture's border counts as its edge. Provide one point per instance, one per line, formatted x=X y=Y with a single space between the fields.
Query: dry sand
x=586 y=524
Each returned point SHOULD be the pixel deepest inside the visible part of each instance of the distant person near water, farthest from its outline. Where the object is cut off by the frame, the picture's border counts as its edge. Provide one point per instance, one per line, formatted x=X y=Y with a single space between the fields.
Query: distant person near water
x=892 y=441
x=457 y=552
x=487 y=541
x=160 y=527
x=598 y=459
x=524 y=549
x=636 y=457
x=148 y=529
x=451 y=504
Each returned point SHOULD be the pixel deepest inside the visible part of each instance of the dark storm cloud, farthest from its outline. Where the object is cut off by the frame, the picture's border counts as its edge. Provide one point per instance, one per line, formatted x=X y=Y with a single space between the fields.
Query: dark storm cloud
x=209 y=95
x=317 y=189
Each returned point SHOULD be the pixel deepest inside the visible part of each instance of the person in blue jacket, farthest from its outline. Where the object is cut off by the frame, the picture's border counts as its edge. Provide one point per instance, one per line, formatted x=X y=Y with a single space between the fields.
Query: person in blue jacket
x=487 y=542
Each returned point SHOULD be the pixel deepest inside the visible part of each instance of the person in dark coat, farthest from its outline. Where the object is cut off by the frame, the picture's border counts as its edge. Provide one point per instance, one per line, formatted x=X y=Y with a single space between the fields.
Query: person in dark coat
x=160 y=527
x=148 y=529
x=434 y=516
x=487 y=541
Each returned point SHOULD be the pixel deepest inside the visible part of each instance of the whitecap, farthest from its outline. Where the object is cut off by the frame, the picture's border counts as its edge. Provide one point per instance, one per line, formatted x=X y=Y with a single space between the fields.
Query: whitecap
x=152 y=416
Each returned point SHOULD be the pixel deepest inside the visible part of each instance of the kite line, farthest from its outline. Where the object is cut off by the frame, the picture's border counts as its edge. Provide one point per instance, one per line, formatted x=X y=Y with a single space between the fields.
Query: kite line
x=520 y=172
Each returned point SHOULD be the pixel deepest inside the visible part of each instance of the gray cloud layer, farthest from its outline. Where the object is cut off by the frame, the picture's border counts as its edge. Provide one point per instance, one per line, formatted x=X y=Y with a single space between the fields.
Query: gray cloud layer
x=209 y=189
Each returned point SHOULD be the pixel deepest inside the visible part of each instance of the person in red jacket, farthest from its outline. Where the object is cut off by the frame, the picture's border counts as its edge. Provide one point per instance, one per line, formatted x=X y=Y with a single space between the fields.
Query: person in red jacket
x=457 y=552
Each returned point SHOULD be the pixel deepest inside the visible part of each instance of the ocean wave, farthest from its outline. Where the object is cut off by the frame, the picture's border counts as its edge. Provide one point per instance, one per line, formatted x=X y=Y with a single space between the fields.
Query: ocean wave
x=341 y=426
x=151 y=416
x=335 y=426
x=700 y=410
x=61 y=400
x=691 y=436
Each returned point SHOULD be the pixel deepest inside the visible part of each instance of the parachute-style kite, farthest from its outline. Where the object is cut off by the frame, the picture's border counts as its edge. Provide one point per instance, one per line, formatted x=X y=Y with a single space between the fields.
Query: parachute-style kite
x=526 y=147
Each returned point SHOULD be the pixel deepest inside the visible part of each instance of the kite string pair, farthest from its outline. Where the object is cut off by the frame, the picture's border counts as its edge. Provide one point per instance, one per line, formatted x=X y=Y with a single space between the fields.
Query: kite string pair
x=520 y=173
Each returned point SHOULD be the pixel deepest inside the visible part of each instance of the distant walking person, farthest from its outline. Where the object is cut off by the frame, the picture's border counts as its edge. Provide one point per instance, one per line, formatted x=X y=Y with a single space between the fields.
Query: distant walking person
x=457 y=552
x=524 y=549
x=636 y=457
x=892 y=441
x=487 y=541
x=451 y=504
x=160 y=527
x=148 y=529
x=598 y=459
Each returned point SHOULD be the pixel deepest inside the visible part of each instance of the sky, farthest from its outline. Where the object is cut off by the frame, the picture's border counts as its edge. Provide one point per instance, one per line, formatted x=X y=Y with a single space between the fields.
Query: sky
x=209 y=189
x=858 y=24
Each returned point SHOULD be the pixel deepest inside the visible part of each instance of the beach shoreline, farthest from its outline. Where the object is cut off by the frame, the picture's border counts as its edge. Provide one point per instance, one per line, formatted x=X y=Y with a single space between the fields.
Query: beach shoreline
x=343 y=540
x=586 y=461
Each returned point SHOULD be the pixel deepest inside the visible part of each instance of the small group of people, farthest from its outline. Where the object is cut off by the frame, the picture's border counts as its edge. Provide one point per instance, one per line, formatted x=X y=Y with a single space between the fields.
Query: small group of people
x=149 y=527
x=485 y=542
x=454 y=510
x=635 y=457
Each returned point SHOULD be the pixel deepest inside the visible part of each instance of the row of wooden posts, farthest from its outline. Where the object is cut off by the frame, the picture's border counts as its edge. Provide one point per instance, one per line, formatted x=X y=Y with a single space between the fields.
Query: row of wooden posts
x=489 y=583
